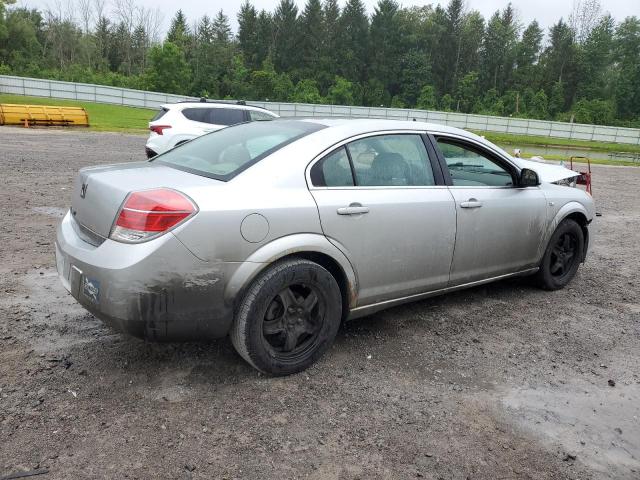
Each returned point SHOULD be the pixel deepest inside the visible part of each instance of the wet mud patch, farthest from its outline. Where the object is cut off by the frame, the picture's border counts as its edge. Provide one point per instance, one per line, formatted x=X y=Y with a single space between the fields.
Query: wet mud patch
x=596 y=425
x=55 y=212
x=46 y=317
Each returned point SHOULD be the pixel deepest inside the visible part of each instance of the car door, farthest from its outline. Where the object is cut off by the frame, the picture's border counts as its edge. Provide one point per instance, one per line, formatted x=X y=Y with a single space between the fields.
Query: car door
x=382 y=202
x=500 y=226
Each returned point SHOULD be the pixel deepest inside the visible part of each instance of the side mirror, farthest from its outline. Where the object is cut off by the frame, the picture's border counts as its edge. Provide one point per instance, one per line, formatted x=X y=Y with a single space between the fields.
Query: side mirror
x=528 y=178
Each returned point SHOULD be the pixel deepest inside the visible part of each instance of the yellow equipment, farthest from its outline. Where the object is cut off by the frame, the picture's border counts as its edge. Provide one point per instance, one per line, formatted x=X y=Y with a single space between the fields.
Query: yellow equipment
x=29 y=115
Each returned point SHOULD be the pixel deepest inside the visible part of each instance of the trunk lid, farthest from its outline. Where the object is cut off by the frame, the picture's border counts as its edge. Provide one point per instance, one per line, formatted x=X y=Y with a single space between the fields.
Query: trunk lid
x=98 y=192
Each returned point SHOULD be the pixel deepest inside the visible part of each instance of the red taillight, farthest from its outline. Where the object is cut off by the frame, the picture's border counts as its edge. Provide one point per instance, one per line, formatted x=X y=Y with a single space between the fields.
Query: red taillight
x=149 y=213
x=158 y=128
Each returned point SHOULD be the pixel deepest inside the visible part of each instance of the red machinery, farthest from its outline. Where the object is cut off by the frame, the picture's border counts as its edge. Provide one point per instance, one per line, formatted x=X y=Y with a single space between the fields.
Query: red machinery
x=585 y=177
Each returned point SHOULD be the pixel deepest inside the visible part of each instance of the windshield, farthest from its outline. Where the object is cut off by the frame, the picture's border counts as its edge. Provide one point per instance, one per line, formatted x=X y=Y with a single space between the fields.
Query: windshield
x=225 y=153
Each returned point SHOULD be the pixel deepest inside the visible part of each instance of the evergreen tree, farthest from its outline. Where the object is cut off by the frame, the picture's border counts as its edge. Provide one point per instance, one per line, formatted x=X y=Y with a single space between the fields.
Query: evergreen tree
x=330 y=44
x=453 y=39
x=205 y=71
x=471 y=42
x=286 y=52
x=265 y=36
x=527 y=56
x=221 y=28
x=560 y=65
x=595 y=54
x=179 y=34
x=440 y=51
x=415 y=72
x=248 y=38
x=354 y=37
x=385 y=54
x=499 y=50
x=311 y=38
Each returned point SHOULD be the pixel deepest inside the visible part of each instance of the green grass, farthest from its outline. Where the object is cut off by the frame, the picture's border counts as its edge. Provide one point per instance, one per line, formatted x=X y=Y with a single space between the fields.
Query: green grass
x=102 y=117
x=595 y=161
x=523 y=140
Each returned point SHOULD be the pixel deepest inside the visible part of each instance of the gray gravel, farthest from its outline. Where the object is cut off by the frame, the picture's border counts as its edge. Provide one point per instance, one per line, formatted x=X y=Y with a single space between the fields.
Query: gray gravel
x=501 y=381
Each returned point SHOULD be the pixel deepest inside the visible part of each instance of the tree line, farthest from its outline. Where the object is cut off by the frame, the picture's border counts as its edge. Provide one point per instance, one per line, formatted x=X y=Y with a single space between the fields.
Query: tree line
x=585 y=68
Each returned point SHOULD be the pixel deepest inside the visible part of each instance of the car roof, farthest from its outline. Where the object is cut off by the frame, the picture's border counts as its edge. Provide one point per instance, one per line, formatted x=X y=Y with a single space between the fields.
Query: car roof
x=339 y=128
x=355 y=126
x=214 y=104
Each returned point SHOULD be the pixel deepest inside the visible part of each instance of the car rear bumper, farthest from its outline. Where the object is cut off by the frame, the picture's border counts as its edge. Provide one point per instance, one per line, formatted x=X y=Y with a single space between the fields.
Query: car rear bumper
x=156 y=290
x=156 y=144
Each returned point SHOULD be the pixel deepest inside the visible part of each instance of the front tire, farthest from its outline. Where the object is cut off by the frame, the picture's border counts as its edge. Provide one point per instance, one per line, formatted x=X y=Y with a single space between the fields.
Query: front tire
x=563 y=256
x=288 y=317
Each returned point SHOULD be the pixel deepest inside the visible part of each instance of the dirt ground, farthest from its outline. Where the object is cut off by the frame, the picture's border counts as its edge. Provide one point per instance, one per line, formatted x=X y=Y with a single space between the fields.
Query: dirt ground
x=499 y=382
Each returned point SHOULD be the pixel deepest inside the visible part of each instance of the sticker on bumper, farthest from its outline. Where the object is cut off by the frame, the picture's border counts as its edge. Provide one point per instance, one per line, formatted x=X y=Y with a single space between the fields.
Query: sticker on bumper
x=91 y=289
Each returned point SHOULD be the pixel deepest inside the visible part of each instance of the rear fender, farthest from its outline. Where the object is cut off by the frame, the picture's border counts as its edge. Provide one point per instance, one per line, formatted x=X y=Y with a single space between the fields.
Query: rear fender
x=285 y=246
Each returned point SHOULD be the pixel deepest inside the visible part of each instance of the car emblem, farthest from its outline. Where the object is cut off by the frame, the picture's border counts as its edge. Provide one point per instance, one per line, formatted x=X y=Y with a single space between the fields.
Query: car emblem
x=83 y=190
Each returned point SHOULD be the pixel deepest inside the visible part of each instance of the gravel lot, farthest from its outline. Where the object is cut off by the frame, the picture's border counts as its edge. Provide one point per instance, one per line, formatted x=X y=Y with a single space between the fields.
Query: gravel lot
x=502 y=381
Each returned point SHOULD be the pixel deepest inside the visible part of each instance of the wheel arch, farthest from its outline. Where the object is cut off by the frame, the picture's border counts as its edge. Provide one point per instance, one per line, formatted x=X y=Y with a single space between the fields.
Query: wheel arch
x=313 y=247
x=581 y=219
x=578 y=213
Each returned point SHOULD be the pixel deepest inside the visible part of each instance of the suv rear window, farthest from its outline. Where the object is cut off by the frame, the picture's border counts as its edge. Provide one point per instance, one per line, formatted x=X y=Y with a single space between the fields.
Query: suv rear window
x=225 y=153
x=260 y=116
x=160 y=114
x=197 y=114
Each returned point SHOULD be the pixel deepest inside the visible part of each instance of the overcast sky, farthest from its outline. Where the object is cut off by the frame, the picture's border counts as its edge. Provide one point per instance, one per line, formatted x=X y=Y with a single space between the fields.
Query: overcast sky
x=547 y=12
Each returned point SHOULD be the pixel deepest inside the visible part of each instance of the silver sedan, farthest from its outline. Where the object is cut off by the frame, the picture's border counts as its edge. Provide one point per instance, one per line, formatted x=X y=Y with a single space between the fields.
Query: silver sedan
x=276 y=232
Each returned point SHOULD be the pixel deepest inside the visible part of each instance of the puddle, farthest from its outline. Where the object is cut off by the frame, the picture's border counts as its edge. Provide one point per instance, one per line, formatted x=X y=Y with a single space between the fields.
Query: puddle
x=55 y=212
x=601 y=426
x=56 y=321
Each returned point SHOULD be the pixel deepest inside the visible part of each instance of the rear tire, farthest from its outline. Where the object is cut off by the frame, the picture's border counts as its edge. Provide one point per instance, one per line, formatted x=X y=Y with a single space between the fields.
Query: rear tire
x=288 y=317
x=563 y=256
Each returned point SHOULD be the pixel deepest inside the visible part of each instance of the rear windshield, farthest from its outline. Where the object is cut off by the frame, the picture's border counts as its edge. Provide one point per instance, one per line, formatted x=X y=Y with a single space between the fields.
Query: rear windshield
x=225 y=153
x=160 y=114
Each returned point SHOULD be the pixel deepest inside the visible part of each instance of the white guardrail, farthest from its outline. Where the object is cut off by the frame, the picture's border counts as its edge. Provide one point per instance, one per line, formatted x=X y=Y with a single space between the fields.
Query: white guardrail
x=138 y=98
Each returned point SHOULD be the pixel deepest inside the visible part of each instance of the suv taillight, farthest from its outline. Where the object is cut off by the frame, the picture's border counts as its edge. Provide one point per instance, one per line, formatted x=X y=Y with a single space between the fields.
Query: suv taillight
x=150 y=213
x=158 y=128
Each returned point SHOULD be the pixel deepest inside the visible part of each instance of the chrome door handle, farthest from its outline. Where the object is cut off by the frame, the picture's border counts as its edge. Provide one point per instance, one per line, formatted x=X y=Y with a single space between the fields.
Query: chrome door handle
x=353 y=209
x=471 y=203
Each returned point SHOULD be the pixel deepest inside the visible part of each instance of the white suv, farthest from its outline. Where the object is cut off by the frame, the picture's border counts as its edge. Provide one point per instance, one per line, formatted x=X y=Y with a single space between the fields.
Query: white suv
x=177 y=123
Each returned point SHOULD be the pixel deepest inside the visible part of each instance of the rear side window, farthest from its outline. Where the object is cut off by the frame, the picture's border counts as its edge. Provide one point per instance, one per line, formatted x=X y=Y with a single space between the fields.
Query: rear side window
x=391 y=160
x=197 y=114
x=160 y=114
x=333 y=170
x=226 y=116
x=225 y=153
x=258 y=116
